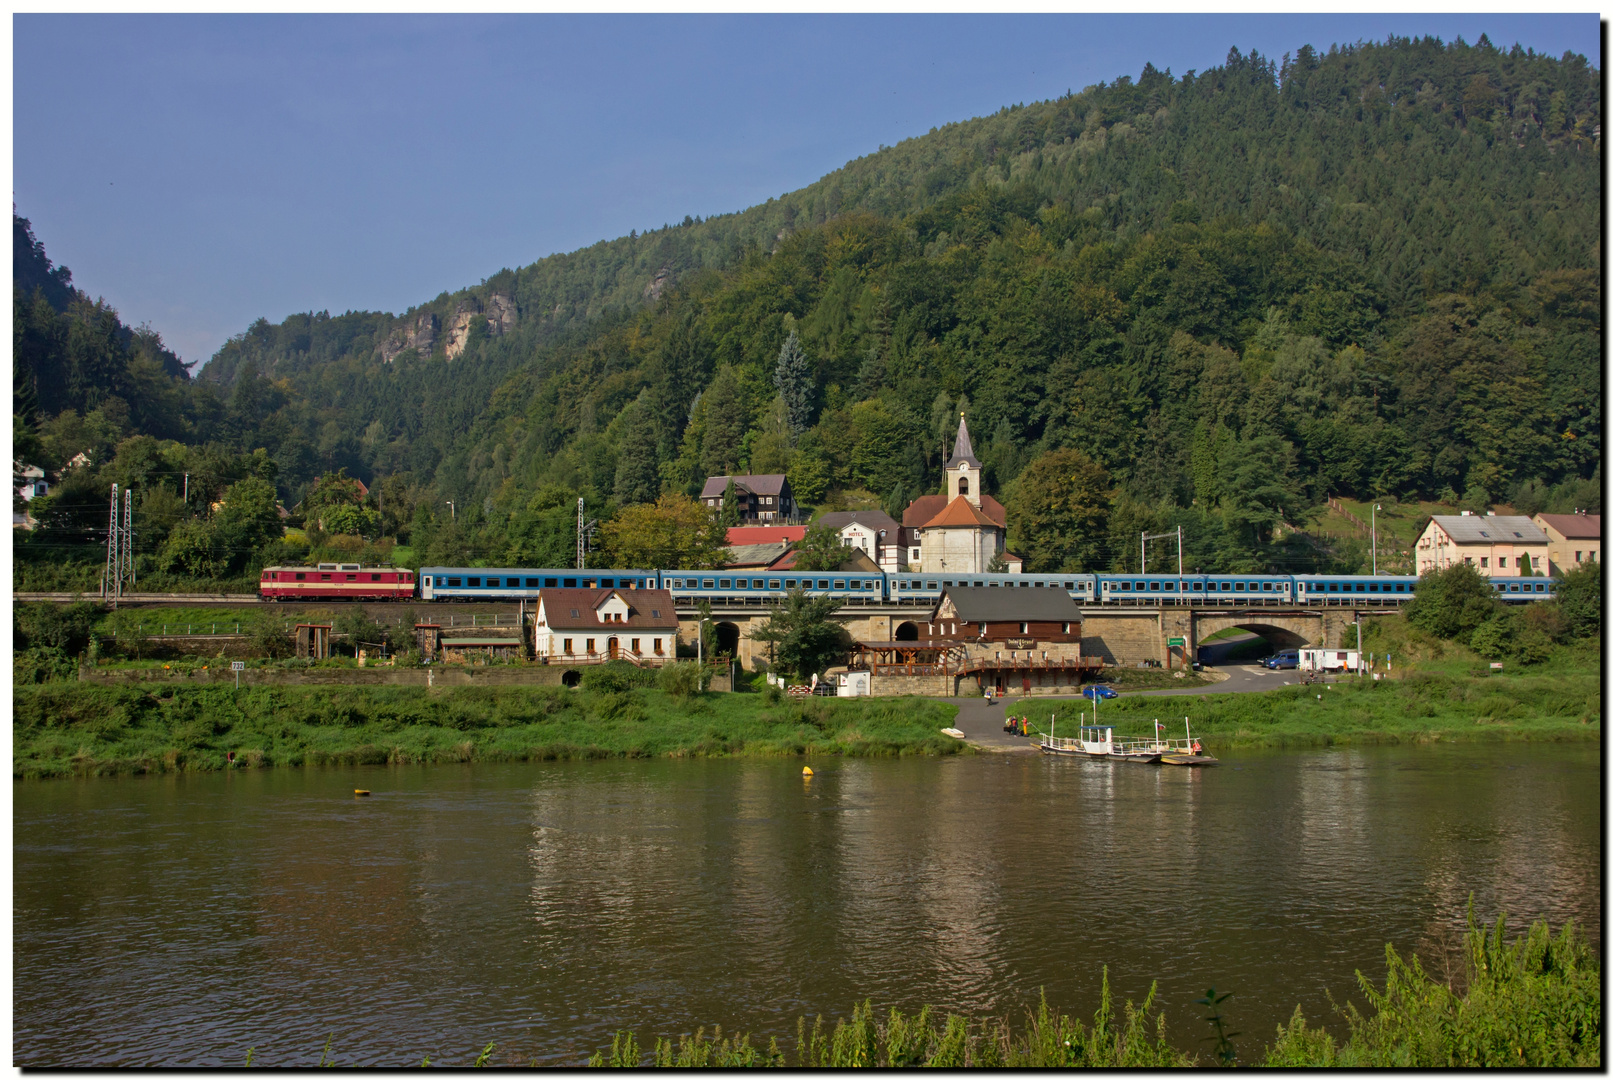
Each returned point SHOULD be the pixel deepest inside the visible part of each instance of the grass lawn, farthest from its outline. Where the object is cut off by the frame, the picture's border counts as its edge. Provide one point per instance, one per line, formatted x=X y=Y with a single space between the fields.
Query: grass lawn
x=68 y=729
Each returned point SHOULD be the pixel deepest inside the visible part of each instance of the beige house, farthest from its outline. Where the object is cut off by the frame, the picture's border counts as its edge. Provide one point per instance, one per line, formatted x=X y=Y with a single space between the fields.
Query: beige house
x=591 y=626
x=1505 y=545
x=1571 y=539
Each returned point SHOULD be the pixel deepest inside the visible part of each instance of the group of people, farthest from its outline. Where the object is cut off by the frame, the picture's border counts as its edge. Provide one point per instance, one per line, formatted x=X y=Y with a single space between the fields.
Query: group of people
x=1017 y=725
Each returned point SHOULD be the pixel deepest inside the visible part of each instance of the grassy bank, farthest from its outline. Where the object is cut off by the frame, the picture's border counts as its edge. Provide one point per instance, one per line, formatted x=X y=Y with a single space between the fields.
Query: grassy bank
x=1441 y=701
x=75 y=729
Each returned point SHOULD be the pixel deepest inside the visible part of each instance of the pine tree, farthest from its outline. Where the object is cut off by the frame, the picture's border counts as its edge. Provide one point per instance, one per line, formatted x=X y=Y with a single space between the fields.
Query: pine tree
x=793 y=377
x=637 y=474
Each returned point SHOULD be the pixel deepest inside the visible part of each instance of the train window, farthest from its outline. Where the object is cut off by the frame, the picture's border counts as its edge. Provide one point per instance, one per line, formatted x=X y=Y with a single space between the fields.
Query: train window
x=532 y=582
x=453 y=583
x=375 y=577
x=1265 y=586
x=1170 y=586
x=772 y=583
x=1125 y=586
x=1400 y=588
x=822 y=584
x=324 y=577
x=904 y=585
x=929 y=585
x=352 y=577
x=474 y=583
x=550 y=583
x=570 y=582
x=428 y=579
x=300 y=577
x=1198 y=586
x=1372 y=588
x=1237 y=586
x=1153 y=586
x=1069 y=584
x=993 y=584
x=708 y=584
x=840 y=584
x=723 y=584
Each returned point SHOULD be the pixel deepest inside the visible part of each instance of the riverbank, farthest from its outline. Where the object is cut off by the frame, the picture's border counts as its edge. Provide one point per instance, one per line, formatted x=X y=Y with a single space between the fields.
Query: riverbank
x=1560 y=701
x=90 y=730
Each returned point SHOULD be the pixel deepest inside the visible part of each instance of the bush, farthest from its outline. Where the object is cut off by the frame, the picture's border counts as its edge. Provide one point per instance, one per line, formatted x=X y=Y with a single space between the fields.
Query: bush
x=1452 y=603
x=680 y=680
x=1579 y=598
x=617 y=677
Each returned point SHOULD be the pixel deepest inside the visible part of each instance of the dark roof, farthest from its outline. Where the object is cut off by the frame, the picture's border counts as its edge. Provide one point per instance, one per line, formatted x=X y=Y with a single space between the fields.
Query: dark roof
x=1574 y=526
x=642 y=606
x=874 y=519
x=961 y=450
x=765 y=484
x=977 y=605
x=922 y=509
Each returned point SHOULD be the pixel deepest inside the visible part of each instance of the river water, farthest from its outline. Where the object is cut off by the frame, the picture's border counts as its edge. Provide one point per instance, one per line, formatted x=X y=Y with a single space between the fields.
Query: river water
x=181 y=920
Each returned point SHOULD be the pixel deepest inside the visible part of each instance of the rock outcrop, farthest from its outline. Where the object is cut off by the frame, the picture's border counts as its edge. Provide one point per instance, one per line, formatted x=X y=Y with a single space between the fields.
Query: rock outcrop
x=420 y=334
x=663 y=278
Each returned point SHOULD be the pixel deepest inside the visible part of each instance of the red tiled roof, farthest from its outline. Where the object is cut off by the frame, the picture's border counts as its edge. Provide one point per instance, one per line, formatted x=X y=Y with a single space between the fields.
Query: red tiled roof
x=960 y=513
x=1574 y=526
x=764 y=534
x=922 y=509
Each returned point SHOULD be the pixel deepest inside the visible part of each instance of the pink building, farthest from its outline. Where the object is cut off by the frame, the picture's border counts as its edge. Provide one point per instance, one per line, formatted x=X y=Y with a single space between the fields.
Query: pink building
x=1494 y=545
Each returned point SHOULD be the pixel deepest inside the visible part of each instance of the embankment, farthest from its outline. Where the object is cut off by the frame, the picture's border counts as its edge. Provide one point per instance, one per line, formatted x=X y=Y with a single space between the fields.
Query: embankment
x=86 y=729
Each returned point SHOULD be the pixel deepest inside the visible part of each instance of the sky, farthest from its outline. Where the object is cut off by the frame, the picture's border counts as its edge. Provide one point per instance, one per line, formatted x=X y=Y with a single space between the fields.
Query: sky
x=199 y=172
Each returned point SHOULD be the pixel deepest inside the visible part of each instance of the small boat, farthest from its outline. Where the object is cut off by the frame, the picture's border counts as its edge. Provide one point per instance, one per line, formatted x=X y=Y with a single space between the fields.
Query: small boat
x=1188 y=759
x=954 y=732
x=1187 y=751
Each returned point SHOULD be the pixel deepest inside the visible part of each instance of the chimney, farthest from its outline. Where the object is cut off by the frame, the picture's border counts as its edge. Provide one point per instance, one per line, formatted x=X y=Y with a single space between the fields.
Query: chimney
x=1467 y=513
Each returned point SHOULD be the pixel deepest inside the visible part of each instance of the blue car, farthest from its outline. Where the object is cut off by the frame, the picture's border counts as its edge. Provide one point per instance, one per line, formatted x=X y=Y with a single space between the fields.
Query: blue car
x=1096 y=691
x=1288 y=658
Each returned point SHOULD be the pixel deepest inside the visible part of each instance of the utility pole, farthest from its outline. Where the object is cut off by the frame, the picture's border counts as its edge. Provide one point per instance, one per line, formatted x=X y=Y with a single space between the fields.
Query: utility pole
x=1175 y=534
x=110 y=577
x=582 y=537
x=1375 y=509
x=453 y=515
x=128 y=535
x=187 y=489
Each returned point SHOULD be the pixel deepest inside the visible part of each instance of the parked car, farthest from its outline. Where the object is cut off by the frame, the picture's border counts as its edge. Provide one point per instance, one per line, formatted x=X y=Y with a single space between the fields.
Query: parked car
x=1098 y=690
x=1288 y=658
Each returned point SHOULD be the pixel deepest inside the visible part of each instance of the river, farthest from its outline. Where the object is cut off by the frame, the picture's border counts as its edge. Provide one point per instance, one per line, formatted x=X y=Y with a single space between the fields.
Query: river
x=179 y=920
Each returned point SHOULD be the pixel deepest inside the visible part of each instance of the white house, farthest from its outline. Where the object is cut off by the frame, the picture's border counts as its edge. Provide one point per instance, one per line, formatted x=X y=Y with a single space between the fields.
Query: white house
x=591 y=626
x=873 y=532
x=31 y=485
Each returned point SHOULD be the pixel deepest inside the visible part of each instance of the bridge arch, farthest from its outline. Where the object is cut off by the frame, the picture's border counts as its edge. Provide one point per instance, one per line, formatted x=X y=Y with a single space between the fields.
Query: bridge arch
x=907 y=631
x=728 y=638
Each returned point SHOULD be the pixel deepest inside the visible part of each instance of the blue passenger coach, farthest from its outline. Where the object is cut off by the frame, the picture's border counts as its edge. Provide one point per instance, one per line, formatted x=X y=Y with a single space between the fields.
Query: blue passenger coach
x=521 y=583
x=750 y=587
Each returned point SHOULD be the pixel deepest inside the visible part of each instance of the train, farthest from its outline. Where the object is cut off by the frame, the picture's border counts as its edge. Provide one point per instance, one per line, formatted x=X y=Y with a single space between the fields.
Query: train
x=742 y=588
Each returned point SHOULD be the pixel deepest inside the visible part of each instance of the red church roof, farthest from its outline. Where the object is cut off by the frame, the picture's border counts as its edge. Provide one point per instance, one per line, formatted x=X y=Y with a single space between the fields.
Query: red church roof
x=960 y=513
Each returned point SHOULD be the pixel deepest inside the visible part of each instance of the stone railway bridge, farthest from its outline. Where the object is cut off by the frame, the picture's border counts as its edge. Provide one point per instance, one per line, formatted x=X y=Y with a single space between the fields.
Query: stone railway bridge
x=1124 y=636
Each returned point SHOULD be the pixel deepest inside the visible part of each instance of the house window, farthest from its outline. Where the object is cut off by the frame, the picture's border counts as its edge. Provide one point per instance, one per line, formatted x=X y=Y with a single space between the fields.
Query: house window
x=655 y=613
x=590 y=646
x=635 y=646
x=1468 y=559
x=568 y=646
x=1577 y=555
x=963 y=485
x=658 y=651
x=1024 y=628
x=1066 y=628
x=1484 y=560
x=1501 y=562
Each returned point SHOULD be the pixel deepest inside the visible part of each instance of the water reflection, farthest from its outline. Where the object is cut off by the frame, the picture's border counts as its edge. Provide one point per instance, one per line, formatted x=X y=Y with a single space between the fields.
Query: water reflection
x=179 y=920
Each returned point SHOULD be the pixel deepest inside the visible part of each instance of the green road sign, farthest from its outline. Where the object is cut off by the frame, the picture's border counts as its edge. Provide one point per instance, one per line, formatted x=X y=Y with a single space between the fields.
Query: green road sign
x=1177 y=641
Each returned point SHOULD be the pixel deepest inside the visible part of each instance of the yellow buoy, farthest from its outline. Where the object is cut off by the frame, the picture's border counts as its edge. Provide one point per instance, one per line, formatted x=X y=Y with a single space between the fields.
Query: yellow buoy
x=361 y=791
x=807 y=771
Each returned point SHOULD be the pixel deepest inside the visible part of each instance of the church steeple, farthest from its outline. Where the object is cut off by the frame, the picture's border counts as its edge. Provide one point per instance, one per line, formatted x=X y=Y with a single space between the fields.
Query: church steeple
x=963 y=468
x=961 y=450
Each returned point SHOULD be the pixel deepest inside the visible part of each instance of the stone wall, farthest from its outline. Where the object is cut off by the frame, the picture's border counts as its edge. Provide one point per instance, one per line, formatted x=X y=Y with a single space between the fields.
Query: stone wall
x=529 y=675
x=1121 y=638
x=919 y=685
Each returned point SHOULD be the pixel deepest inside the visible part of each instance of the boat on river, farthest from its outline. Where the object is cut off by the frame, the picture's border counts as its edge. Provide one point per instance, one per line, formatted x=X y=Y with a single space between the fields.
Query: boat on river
x=1098 y=741
x=1186 y=751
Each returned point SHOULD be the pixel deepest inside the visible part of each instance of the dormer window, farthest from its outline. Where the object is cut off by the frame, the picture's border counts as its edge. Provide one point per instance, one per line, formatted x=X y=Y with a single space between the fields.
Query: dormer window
x=575 y=614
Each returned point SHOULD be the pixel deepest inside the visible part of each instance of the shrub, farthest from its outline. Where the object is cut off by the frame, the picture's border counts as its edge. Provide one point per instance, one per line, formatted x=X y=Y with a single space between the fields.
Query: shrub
x=617 y=676
x=680 y=680
x=1452 y=603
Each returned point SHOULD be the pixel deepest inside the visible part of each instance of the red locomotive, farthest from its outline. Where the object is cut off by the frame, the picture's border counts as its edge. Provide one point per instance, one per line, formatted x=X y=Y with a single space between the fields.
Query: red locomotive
x=336 y=581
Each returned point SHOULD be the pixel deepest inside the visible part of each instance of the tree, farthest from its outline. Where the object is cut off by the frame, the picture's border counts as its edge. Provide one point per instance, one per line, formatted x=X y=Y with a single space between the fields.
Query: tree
x=332 y=489
x=250 y=517
x=1452 y=603
x=676 y=533
x=804 y=636
x=1060 y=512
x=793 y=377
x=1579 y=598
x=727 y=420
x=820 y=549
x=810 y=471
x=346 y=520
x=194 y=548
x=730 y=505
x=638 y=477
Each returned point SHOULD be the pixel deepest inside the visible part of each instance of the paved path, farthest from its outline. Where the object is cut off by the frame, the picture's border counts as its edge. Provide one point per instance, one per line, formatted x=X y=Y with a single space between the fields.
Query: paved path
x=983 y=724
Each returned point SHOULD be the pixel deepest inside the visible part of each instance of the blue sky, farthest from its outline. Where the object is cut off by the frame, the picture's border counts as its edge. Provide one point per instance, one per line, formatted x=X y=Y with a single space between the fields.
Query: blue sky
x=199 y=172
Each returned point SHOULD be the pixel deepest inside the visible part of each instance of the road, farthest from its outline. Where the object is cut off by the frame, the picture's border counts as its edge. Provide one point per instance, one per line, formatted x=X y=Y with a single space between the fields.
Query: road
x=983 y=723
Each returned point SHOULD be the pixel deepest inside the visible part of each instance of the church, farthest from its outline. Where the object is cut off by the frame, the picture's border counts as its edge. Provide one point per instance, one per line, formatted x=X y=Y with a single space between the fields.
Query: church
x=962 y=531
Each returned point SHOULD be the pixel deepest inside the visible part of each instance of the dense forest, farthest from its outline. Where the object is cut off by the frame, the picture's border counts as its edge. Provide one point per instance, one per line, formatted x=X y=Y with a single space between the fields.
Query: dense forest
x=1211 y=300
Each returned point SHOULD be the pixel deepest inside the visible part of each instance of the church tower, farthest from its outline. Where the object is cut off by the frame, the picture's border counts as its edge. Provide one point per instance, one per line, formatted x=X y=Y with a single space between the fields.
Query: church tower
x=963 y=469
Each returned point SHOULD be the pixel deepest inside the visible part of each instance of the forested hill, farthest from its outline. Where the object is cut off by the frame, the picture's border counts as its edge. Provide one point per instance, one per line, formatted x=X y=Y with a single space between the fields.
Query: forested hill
x=1374 y=271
